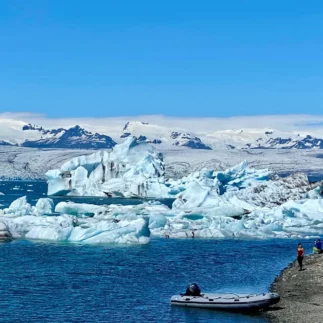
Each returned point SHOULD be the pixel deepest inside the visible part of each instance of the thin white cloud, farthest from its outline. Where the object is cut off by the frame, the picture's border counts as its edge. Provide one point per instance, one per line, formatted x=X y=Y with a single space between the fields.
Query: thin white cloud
x=113 y=126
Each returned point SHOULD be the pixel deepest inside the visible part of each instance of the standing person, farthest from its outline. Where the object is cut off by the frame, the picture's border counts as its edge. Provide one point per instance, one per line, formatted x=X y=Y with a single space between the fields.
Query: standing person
x=300 y=256
x=318 y=246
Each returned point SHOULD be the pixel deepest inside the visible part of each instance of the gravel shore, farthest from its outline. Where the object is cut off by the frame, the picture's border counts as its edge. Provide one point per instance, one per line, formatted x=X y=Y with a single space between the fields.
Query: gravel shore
x=301 y=293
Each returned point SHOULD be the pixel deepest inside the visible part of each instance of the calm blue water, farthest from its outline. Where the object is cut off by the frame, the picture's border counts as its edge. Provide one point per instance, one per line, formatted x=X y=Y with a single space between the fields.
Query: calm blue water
x=56 y=282
x=46 y=282
x=36 y=189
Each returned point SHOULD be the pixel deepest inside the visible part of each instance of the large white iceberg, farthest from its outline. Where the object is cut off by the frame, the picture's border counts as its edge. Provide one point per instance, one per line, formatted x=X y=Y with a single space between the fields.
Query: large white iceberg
x=130 y=169
x=135 y=170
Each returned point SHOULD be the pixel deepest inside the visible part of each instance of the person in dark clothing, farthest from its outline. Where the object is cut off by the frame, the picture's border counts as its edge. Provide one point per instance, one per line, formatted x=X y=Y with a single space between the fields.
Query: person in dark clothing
x=318 y=246
x=300 y=256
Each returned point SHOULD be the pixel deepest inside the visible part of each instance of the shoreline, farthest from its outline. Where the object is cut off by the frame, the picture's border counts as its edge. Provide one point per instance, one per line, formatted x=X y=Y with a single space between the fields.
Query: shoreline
x=301 y=292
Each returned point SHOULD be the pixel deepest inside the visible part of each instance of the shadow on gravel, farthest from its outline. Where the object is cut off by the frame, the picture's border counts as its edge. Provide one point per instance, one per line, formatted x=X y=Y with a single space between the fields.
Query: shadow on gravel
x=273 y=309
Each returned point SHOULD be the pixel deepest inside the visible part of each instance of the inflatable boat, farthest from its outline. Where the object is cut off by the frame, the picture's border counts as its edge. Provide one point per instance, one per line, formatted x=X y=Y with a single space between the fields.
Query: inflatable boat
x=226 y=301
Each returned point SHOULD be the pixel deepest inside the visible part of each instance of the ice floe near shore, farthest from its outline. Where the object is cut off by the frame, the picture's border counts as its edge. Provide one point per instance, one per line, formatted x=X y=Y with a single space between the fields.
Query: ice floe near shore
x=86 y=223
x=26 y=221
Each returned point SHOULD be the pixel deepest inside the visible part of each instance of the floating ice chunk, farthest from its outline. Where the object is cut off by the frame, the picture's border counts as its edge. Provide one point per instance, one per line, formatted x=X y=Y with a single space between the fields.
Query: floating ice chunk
x=80 y=209
x=240 y=203
x=193 y=196
x=49 y=233
x=3 y=227
x=58 y=185
x=213 y=217
x=241 y=175
x=1 y=193
x=89 y=230
x=316 y=193
x=23 y=221
x=157 y=221
x=103 y=231
x=19 y=207
x=5 y=234
x=53 y=174
x=20 y=226
x=44 y=206
x=276 y=191
x=80 y=181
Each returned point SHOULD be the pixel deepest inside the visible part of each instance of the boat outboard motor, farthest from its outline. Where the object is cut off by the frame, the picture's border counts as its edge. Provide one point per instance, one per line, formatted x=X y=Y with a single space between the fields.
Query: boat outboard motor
x=193 y=290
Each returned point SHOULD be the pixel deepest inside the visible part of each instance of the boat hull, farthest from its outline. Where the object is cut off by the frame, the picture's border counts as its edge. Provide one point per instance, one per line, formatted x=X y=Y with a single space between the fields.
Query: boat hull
x=230 y=302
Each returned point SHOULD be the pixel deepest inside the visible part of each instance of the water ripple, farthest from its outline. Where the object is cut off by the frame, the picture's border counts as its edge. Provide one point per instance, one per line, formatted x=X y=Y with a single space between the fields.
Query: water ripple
x=52 y=282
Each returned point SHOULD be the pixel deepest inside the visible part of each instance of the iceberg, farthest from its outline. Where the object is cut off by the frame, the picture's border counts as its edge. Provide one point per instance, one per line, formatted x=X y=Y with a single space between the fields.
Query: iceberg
x=239 y=202
x=44 y=206
x=5 y=235
x=217 y=190
x=133 y=169
x=18 y=207
x=277 y=191
x=129 y=169
x=38 y=223
x=128 y=232
x=86 y=223
x=80 y=209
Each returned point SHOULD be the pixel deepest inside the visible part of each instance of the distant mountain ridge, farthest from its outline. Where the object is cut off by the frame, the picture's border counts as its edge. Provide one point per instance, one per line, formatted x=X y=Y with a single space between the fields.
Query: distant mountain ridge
x=18 y=133
x=151 y=133
x=72 y=138
x=263 y=139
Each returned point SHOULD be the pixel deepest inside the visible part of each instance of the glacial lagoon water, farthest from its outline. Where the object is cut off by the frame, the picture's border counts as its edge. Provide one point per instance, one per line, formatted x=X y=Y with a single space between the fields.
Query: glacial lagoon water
x=60 y=282
x=37 y=189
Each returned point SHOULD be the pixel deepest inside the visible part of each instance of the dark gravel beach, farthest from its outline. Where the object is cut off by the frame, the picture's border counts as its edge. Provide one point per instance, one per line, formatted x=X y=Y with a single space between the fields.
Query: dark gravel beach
x=301 y=293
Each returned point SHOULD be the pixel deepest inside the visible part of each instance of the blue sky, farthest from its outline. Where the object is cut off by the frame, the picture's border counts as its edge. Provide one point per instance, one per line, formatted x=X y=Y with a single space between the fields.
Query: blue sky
x=177 y=58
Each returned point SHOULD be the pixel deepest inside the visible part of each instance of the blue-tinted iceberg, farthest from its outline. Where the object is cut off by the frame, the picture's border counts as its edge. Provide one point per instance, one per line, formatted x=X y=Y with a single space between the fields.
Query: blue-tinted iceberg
x=129 y=169
x=237 y=202
x=88 y=223
x=26 y=221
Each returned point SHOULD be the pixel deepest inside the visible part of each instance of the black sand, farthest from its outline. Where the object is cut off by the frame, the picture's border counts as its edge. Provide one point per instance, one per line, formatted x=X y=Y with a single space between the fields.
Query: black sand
x=301 y=293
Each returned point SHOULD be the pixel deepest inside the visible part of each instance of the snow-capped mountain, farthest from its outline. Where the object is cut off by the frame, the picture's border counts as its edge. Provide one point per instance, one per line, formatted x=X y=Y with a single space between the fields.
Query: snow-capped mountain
x=37 y=137
x=304 y=143
x=75 y=137
x=19 y=133
x=151 y=133
x=262 y=139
